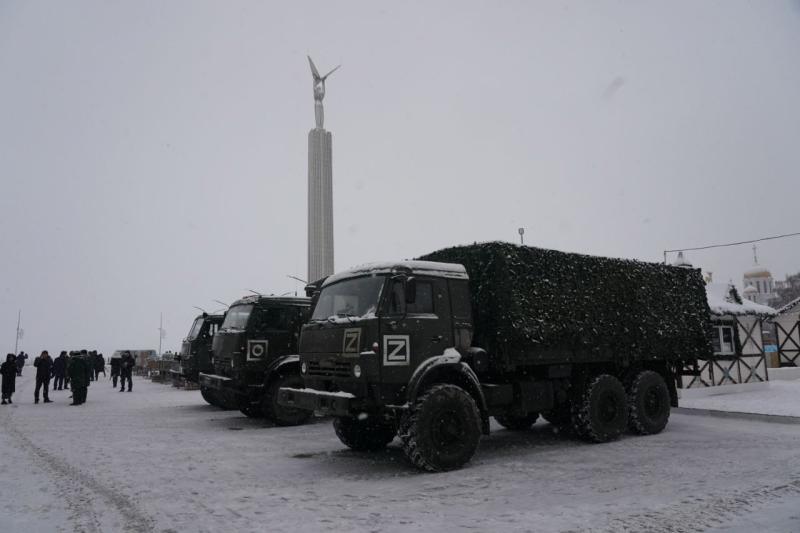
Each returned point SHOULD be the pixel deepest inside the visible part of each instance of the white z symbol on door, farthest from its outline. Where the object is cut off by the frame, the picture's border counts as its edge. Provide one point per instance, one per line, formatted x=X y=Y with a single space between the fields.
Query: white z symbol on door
x=396 y=350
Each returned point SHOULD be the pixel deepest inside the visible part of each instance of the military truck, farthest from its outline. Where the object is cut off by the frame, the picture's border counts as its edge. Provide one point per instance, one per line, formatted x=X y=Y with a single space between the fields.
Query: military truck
x=255 y=353
x=429 y=350
x=195 y=356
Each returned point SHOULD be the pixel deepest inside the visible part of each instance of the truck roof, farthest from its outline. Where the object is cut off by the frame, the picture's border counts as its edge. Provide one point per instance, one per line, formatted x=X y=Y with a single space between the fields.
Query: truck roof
x=218 y=316
x=432 y=268
x=280 y=300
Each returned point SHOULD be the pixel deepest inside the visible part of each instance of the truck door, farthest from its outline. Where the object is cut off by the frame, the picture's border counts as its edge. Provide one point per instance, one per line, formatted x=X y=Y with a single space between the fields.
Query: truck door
x=415 y=331
x=204 y=345
x=270 y=338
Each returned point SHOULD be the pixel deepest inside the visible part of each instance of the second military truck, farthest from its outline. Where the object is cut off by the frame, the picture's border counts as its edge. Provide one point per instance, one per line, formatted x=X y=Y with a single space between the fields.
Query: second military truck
x=428 y=350
x=255 y=353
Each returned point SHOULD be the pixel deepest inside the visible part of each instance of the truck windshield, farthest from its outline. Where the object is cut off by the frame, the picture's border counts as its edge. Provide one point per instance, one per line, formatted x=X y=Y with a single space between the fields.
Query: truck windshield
x=356 y=297
x=237 y=317
x=195 y=331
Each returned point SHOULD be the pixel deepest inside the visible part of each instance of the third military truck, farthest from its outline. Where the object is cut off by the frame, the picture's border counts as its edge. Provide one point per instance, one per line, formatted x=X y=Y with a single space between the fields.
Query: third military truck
x=429 y=350
x=195 y=356
x=255 y=353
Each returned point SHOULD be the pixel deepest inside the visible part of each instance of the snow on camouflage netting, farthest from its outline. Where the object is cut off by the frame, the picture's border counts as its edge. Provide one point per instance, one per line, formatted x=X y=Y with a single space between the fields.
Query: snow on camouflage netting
x=549 y=303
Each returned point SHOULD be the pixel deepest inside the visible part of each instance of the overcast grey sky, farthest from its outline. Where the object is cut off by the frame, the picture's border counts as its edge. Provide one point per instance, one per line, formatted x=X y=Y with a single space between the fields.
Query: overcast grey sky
x=153 y=154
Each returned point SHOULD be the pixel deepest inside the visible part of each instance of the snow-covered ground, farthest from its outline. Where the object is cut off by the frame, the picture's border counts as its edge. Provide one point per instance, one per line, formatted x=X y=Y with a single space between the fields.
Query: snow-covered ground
x=160 y=459
x=773 y=398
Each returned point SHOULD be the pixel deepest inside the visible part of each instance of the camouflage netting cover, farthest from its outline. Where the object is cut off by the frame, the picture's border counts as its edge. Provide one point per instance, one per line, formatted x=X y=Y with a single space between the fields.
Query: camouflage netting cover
x=532 y=305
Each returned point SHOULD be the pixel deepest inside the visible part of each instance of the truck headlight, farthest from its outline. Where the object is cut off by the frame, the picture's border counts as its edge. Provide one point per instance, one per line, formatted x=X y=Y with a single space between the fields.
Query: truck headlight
x=357 y=371
x=303 y=368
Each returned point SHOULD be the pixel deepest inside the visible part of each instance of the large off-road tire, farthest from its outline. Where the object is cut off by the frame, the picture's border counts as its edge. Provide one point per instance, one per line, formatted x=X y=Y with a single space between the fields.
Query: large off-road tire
x=250 y=409
x=517 y=423
x=283 y=416
x=442 y=430
x=648 y=403
x=209 y=395
x=601 y=415
x=367 y=435
x=228 y=400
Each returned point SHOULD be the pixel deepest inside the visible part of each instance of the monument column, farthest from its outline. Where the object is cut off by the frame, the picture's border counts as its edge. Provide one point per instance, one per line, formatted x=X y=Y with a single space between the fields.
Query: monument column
x=320 y=205
x=320 y=187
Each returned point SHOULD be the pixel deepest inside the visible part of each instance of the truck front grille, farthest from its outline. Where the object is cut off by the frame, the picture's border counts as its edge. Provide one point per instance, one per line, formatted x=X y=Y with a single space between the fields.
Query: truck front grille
x=339 y=369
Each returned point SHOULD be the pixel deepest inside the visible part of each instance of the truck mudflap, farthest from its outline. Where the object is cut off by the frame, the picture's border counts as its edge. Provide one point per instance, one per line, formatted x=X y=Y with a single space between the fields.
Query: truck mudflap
x=330 y=403
x=213 y=381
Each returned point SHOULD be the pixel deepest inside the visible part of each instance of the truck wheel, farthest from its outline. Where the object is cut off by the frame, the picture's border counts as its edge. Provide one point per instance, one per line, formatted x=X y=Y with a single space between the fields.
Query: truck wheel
x=250 y=409
x=227 y=400
x=517 y=423
x=442 y=430
x=602 y=413
x=366 y=435
x=283 y=416
x=209 y=396
x=648 y=403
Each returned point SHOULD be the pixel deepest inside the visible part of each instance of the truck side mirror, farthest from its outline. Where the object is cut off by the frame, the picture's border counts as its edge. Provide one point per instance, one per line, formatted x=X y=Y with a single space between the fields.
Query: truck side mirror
x=314 y=298
x=411 y=290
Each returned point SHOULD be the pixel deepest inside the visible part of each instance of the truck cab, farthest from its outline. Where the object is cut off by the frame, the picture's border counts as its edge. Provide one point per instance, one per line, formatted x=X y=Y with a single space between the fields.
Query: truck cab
x=372 y=327
x=380 y=336
x=195 y=355
x=254 y=353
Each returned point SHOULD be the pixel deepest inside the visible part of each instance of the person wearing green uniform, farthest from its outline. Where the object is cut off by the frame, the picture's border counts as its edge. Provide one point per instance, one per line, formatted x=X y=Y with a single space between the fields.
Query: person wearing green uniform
x=78 y=371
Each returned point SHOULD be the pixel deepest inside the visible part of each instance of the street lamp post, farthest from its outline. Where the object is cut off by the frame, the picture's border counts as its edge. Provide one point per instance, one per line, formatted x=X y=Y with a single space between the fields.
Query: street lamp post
x=521 y=235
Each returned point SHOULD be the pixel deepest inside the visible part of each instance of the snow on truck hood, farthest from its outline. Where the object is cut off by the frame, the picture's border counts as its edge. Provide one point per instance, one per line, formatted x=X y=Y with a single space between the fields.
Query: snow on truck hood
x=448 y=270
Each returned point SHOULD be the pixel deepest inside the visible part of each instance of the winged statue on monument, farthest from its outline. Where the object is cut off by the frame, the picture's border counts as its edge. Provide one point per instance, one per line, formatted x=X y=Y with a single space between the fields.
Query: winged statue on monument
x=319 y=92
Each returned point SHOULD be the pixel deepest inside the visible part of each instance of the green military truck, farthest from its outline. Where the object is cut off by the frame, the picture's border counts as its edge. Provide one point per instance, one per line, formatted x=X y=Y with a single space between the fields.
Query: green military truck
x=255 y=353
x=428 y=350
x=195 y=356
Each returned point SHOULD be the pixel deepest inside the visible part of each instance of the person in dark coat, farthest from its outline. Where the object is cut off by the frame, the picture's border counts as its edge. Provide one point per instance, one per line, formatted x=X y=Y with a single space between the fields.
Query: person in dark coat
x=21 y=362
x=78 y=370
x=99 y=366
x=59 y=370
x=115 y=367
x=8 y=371
x=126 y=370
x=44 y=365
x=66 y=371
x=90 y=360
x=89 y=367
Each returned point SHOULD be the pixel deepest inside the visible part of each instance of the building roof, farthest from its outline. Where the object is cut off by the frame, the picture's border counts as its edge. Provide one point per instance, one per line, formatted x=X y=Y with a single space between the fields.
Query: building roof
x=723 y=299
x=757 y=272
x=790 y=306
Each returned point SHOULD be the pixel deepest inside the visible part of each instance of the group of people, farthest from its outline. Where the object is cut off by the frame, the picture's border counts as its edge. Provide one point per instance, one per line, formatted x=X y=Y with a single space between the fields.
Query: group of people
x=73 y=372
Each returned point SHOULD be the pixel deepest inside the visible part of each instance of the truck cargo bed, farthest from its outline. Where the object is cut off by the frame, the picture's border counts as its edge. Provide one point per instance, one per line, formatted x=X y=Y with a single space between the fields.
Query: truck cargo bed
x=534 y=306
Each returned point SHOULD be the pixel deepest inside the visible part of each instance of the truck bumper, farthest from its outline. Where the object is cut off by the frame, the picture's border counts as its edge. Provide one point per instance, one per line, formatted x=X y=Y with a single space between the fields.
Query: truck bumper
x=329 y=403
x=213 y=381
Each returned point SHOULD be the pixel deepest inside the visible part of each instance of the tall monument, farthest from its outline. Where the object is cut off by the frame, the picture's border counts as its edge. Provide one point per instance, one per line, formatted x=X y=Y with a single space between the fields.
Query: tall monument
x=320 y=187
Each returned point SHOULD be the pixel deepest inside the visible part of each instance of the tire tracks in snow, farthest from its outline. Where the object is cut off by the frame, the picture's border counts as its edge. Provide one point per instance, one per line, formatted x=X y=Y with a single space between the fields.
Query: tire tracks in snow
x=695 y=515
x=78 y=488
